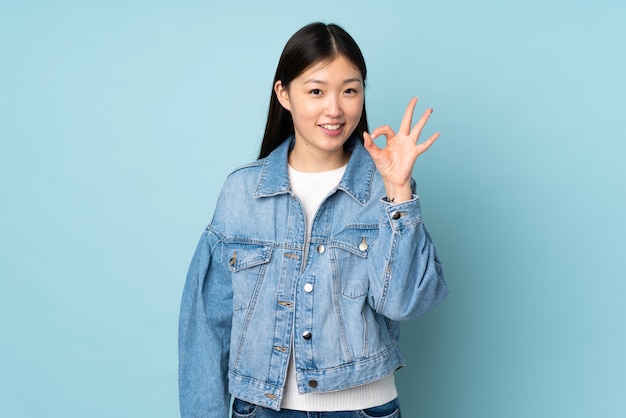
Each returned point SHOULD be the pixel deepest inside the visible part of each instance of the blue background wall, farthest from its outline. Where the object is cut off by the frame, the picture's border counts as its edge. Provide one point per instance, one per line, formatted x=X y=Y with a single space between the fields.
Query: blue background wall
x=120 y=120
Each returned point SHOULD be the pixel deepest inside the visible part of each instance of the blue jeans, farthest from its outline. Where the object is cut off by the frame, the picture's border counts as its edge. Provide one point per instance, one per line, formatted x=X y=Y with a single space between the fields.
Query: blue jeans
x=243 y=409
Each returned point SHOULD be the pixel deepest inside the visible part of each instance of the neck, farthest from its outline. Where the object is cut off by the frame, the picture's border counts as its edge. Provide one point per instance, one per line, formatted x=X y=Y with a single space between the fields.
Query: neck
x=308 y=161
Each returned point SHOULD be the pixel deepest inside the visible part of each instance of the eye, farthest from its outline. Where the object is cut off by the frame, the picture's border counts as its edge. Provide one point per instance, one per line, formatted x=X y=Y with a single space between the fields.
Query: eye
x=351 y=91
x=315 y=92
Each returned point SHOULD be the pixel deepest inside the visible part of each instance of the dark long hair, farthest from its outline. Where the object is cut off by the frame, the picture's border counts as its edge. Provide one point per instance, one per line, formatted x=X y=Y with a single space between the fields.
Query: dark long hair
x=313 y=43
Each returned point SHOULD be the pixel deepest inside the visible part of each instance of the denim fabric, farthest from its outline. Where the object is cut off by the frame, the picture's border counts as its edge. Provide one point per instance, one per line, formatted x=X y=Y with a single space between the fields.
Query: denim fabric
x=243 y=409
x=249 y=297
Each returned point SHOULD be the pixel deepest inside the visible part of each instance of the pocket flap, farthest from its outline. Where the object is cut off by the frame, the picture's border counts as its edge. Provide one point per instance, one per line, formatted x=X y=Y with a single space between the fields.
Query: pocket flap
x=356 y=239
x=243 y=256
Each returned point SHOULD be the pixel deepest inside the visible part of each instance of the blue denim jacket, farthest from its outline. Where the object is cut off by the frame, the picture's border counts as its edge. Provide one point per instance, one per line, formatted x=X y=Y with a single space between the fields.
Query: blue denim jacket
x=249 y=298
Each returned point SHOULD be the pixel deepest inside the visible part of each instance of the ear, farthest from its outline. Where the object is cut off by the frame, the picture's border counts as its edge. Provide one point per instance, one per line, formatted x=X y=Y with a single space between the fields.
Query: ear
x=282 y=94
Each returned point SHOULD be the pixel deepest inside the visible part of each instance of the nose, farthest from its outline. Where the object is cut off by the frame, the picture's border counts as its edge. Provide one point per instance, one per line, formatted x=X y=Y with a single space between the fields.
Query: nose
x=333 y=106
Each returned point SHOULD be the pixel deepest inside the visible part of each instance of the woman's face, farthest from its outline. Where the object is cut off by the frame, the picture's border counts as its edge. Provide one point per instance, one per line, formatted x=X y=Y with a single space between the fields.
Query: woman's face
x=325 y=103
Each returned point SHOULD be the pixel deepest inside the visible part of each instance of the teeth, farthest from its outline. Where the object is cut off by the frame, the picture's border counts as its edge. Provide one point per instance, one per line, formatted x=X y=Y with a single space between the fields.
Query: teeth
x=332 y=127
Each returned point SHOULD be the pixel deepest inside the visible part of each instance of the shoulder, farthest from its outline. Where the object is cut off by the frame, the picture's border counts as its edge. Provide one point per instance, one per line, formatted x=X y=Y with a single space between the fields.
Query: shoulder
x=246 y=168
x=245 y=174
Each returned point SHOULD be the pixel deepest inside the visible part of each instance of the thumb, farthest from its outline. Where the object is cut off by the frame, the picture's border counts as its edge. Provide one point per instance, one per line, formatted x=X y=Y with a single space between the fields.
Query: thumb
x=368 y=142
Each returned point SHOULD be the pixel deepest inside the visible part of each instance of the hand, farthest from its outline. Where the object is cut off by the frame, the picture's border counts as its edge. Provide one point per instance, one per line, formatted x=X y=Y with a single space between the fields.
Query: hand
x=395 y=162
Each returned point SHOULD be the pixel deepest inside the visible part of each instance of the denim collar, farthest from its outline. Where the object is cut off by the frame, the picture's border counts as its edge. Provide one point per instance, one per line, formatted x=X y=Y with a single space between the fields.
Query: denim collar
x=356 y=181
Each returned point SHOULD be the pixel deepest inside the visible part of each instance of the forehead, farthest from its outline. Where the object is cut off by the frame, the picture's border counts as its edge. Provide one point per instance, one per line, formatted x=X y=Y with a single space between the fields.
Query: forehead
x=337 y=68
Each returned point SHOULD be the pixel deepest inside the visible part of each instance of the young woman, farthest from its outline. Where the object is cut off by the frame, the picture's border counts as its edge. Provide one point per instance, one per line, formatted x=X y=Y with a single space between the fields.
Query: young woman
x=315 y=251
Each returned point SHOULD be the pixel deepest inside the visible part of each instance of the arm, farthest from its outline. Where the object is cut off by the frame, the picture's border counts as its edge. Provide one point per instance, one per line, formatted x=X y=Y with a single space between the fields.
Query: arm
x=407 y=277
x=204 y=334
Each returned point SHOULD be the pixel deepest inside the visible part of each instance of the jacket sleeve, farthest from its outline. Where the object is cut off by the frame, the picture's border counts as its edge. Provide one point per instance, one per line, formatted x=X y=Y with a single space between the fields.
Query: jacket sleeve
x=204 y=333
x=407 y=279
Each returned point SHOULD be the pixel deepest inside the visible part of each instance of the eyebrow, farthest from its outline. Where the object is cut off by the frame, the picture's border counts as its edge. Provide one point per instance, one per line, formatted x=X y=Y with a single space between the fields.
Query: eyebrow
x=349 y=80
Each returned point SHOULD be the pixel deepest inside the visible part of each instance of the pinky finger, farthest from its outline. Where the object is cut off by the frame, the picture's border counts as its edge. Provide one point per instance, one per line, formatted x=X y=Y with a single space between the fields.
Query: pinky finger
x=426 y=144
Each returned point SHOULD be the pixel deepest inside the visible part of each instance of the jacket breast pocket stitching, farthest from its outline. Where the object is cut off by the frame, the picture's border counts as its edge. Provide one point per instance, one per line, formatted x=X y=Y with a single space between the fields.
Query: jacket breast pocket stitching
x=244 y=256
x=247 y=263
x=351 y=248
x=356 y=240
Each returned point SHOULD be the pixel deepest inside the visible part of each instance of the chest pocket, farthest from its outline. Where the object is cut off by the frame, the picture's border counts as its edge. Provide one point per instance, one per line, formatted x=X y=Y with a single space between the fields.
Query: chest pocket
x=247 y=264
x=351 y=249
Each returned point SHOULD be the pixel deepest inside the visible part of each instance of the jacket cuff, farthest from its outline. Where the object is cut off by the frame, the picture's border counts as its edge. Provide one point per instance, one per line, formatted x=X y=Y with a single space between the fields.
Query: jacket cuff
x=401 y=215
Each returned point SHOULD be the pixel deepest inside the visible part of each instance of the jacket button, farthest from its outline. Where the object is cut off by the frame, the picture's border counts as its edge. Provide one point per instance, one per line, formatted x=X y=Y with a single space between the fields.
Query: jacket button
x=321 y=249
x=313 y=383
x=308 y=287
x=307 y=335
x=395 y=216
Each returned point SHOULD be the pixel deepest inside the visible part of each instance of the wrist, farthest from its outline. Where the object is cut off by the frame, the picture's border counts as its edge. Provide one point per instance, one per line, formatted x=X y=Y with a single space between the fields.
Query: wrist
x=398 y=194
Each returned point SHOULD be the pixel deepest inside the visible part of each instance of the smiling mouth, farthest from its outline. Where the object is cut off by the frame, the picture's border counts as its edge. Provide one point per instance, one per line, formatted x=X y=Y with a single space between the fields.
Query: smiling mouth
x=332 y=127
